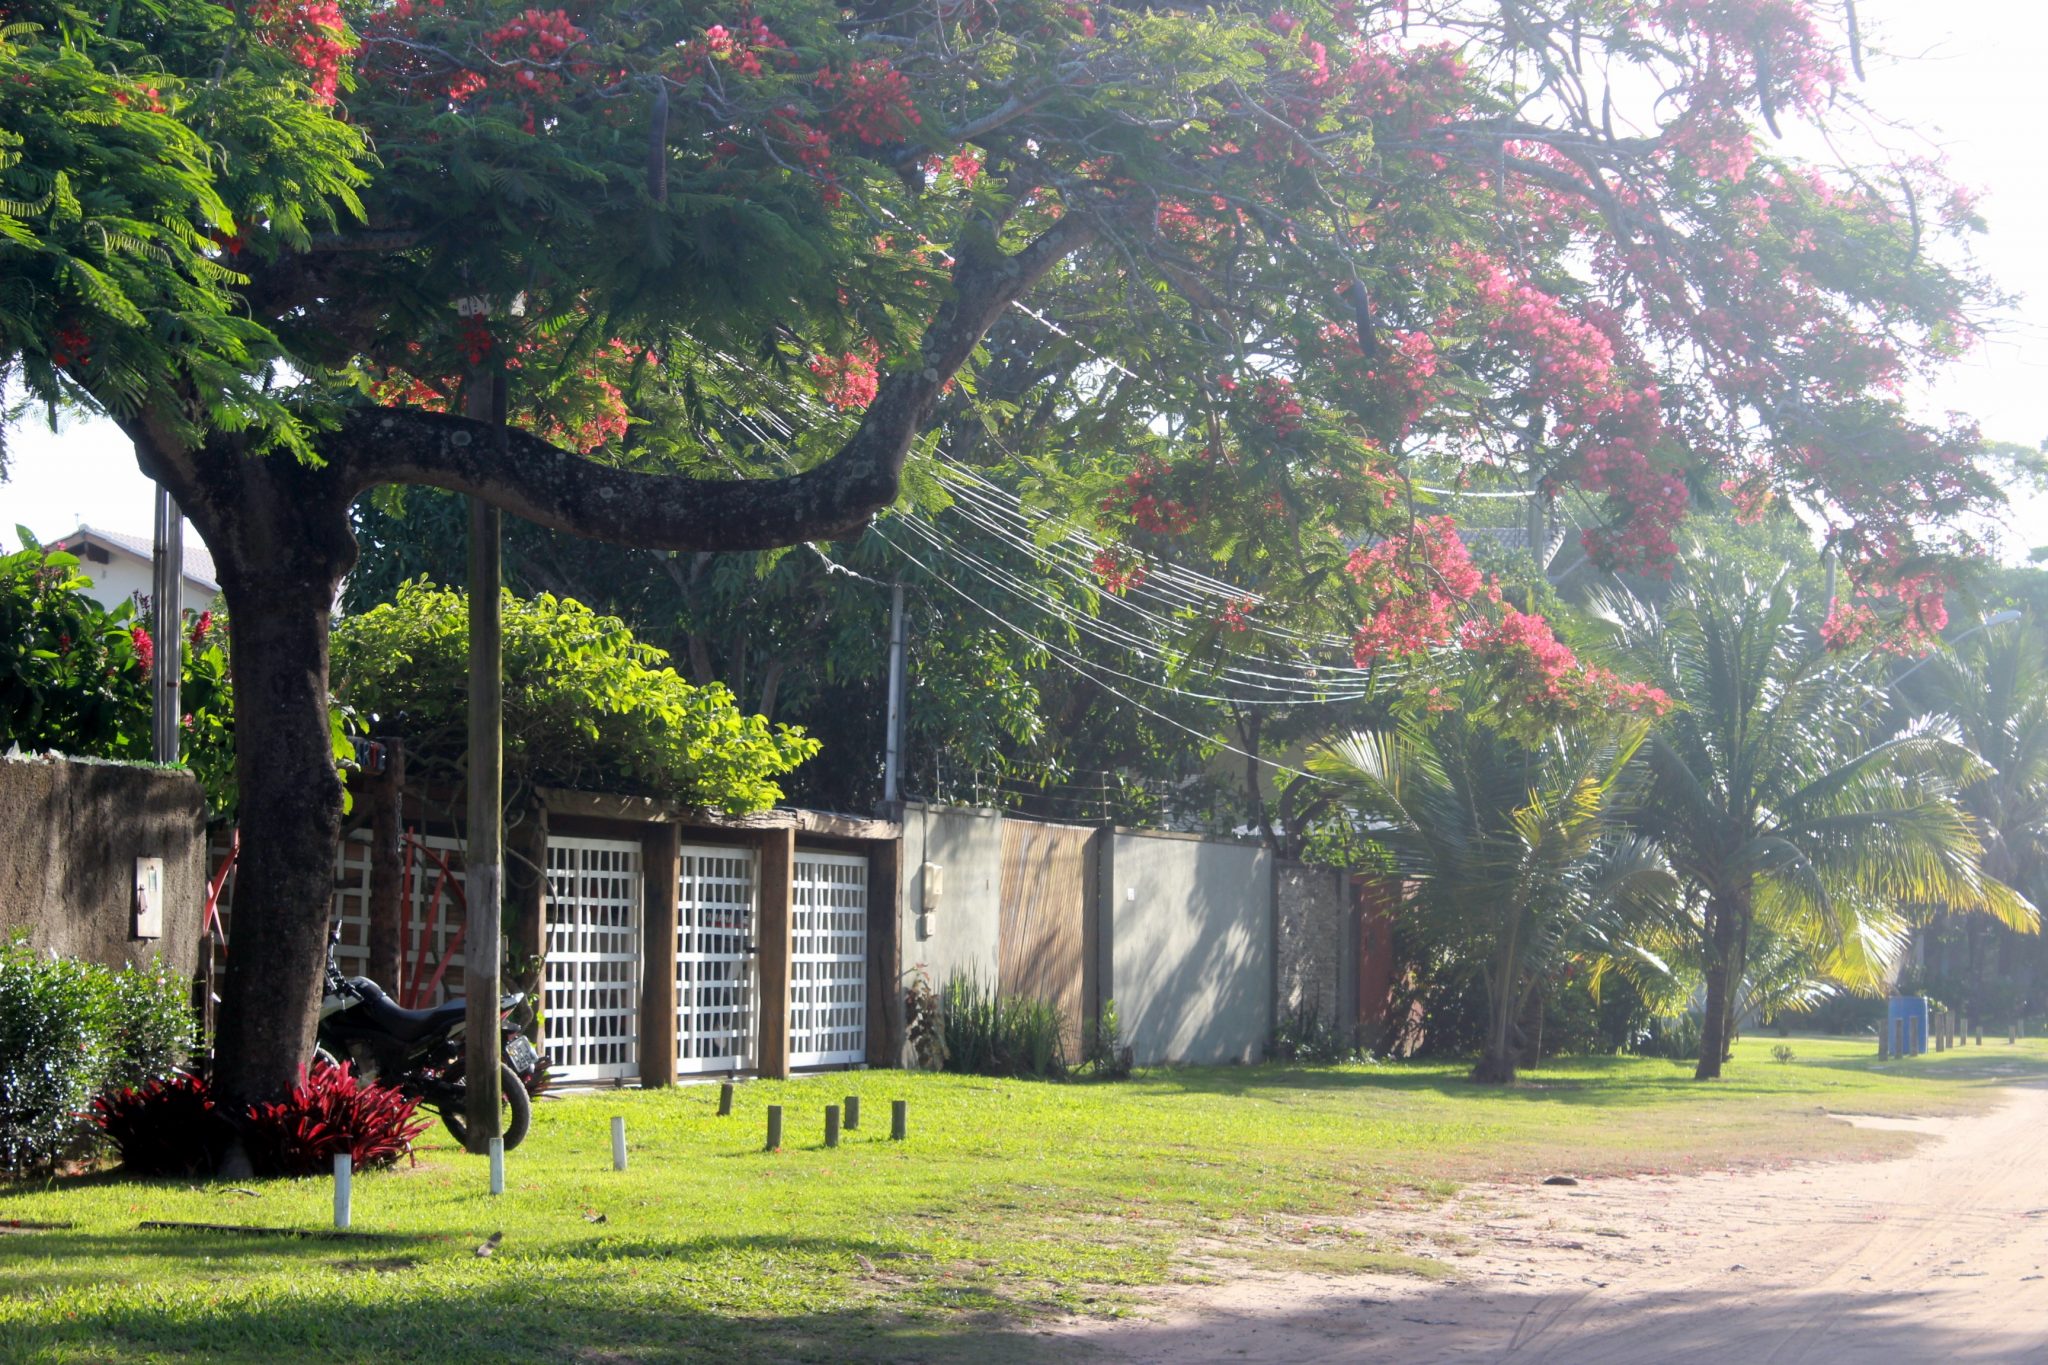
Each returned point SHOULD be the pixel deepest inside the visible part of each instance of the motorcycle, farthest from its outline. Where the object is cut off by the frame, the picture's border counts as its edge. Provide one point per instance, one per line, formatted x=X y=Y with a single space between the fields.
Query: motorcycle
x=421 y=1051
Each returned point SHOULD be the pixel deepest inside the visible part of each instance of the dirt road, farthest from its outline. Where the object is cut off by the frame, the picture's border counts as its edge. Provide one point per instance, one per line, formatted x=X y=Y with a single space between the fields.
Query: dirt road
x=1936 y=1256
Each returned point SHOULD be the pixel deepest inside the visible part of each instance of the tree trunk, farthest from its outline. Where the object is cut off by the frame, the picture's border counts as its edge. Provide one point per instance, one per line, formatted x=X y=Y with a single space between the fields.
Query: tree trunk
x=1724 y=924
x=279 y=532
x=1497 y=1065
x=290 y=815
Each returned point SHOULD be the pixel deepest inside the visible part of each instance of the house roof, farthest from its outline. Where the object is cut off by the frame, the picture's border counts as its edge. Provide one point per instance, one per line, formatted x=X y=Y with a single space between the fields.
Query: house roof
x=198 y=562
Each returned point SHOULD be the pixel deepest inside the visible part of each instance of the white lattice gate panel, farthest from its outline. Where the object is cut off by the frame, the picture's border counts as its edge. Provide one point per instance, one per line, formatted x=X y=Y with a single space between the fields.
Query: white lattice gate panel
x=715 y=959
x=591 y=996
x=828 y=968
x=351 y=902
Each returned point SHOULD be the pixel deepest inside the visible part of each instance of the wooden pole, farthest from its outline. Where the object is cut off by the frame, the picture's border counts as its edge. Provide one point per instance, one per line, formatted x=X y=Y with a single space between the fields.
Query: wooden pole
x=774 y=1128
x=831 y=1125
x=725 y=1099
x=899 y=1120
x=485 y=864
x=852 y=1112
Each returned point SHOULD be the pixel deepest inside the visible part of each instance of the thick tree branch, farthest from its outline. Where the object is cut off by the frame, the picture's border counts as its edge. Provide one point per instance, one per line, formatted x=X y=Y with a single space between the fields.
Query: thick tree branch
x=566 y=492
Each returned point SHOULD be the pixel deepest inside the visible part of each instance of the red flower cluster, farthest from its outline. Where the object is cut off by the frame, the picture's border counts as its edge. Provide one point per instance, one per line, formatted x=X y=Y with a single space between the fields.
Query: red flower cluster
x=850 y=381
x=874 y=106
x=1142 y=500
x=201 y=629
x=73 y=346
x=1118 y=570
x=1543 y=673
x=145 y=649
x=1420 y=580
x=1275 y=406
x=315 y=34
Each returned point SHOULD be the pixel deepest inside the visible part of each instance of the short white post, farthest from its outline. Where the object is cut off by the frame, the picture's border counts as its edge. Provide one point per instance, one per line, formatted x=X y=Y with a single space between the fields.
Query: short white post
x=618 y=1142
x=344 y=1170
x=497 y=1165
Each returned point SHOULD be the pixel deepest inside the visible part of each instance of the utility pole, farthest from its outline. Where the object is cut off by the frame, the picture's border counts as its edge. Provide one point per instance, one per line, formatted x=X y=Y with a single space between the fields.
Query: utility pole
x=167 y=582
x=485 y=864
x=892 y=763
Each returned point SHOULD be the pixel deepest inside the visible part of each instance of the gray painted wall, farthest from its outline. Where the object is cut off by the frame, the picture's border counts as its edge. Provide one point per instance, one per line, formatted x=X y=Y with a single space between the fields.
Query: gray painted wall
x=960 y=937
x=1191 y=952
x=70 y=833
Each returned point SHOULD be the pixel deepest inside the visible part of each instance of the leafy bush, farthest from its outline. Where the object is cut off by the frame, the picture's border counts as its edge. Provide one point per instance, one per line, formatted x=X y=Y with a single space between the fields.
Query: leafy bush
x=1308 y=1036
x=1676 y=1039
x=1103 y=1053
x=53 y=1054
x=991 y=1035
x=586 y=704
x=164 y=1127
x=69 y=1029
x=1780 y=1053
x=330 y=1111
x=923 y=1025
x=74 y=676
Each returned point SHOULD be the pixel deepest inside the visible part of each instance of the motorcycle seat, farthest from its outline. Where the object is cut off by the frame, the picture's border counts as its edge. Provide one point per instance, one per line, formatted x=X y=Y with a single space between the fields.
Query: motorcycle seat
x=406 y=1025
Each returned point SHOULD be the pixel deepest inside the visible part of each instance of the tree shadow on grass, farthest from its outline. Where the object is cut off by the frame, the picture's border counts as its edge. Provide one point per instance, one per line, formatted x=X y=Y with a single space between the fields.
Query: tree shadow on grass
x=422 y=1303
x=1593 y=1081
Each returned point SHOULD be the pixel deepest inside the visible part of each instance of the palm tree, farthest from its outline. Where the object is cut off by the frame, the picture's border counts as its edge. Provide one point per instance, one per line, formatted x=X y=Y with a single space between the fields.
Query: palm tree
x=1779 y=798
x=1993 y=682
x=1512 y=862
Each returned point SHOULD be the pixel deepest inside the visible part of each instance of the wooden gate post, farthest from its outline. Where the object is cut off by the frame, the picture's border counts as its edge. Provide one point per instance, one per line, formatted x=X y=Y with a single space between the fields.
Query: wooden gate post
x=775 y=946
x=661 y=864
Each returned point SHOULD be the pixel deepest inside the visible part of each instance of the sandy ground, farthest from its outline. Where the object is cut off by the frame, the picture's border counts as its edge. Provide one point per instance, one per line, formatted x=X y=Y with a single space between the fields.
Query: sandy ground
x=1936 y=1256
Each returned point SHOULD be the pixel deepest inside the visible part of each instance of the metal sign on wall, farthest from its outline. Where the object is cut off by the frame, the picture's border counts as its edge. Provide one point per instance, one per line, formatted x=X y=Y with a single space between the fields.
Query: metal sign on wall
x=149 y=898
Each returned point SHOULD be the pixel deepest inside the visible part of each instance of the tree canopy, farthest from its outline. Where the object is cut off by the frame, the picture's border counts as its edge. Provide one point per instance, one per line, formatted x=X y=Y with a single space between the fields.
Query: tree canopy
x=1246 y=282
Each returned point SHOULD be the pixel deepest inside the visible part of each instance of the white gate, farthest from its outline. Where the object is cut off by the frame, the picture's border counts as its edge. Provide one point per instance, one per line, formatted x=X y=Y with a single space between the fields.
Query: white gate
x=715 y=959
x=828 y=970
x=591 y=1026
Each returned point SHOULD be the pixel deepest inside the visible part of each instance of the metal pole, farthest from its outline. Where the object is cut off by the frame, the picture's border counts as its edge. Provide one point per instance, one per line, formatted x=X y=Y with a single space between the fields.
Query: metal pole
x=892 y=767
x=167 y=625
x=485 y=864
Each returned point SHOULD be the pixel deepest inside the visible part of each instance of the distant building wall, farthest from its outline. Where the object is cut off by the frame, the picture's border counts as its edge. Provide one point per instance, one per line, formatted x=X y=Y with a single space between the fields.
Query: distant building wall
x=1190 y=925
x=70 y=834
x=962 y=934
x=1317 y=965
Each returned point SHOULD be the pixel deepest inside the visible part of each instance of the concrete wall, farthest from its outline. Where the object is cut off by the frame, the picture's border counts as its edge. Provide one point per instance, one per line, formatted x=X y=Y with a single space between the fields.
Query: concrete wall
x=70 y=833
x=1317 y=964
x=1190 y=929
x=962 y=936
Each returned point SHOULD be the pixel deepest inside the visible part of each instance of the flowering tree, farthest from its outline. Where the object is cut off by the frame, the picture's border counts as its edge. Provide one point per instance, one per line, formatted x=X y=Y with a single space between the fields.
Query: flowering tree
x=1277 y=259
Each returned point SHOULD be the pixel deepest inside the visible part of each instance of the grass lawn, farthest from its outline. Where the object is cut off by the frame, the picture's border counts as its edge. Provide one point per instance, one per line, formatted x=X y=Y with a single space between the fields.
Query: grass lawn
x=1010 y=1199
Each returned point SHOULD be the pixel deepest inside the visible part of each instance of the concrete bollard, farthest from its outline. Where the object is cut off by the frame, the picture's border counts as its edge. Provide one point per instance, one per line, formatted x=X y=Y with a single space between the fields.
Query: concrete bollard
x=618 y=1142
x=899 y=1120
x=831 y=1125
x=725 y=1099
x=774 y=1128
x=852 y=1113
x=344 y=1174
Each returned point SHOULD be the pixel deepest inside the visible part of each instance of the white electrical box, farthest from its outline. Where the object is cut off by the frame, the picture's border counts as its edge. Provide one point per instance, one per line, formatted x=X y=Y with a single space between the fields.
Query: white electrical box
x=932 y=877
x=149 y=898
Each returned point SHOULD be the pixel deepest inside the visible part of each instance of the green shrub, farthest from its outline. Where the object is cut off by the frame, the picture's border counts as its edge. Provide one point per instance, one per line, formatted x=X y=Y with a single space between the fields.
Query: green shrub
x=991 y=1035
x=1103 y=1053
x=68 y=1031
x=1676 y=1039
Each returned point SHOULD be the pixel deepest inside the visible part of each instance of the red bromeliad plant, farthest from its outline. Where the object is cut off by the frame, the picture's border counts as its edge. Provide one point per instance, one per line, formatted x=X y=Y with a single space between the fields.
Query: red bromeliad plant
x=730 y=263
x=331 y=1111
x=165 y=1127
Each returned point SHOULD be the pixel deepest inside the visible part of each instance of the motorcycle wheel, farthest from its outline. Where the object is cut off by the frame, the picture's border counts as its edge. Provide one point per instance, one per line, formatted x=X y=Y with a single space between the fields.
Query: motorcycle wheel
x=516 y=1111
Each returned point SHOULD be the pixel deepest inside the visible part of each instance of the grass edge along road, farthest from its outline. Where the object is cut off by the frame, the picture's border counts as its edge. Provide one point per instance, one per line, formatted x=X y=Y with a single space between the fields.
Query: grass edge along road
x=1011 y=1199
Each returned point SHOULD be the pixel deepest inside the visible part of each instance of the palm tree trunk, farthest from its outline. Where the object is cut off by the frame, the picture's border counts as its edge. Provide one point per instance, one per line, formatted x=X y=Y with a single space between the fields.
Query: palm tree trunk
x=1726 y=917
x=1497 y=1066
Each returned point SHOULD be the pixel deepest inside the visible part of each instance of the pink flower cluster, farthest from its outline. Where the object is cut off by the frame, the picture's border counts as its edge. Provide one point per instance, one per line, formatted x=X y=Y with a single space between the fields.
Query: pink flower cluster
x=1541 y=671
x=315 y=34
x=1419 y=579
x=850 y=381
x=874 y=106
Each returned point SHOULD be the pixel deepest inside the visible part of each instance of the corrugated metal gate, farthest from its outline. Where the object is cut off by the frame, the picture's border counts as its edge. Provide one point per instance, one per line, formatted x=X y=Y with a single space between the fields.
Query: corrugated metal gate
x=828 y=978
x=715 y=959
x=591 y=1026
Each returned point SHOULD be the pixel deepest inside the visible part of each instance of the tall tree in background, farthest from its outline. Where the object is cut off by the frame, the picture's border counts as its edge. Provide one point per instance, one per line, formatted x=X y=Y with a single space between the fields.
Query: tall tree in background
x=284 y=245
x=1773 y=794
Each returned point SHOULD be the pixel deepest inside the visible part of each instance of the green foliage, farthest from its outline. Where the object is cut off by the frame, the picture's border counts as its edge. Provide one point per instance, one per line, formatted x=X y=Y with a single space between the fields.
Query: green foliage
x=1104 y=1054
x=73 y=676
x=1308 y=1035
x=69 y=1029
x=586 y=704
x=992 y=1035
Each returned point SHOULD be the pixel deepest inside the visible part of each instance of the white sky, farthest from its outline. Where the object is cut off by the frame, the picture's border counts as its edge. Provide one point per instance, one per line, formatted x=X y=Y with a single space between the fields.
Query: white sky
x=1965 y=73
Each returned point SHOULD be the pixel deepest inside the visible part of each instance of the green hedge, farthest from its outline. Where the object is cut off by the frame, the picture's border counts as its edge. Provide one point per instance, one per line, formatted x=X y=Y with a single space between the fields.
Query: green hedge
x=70 y=1030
